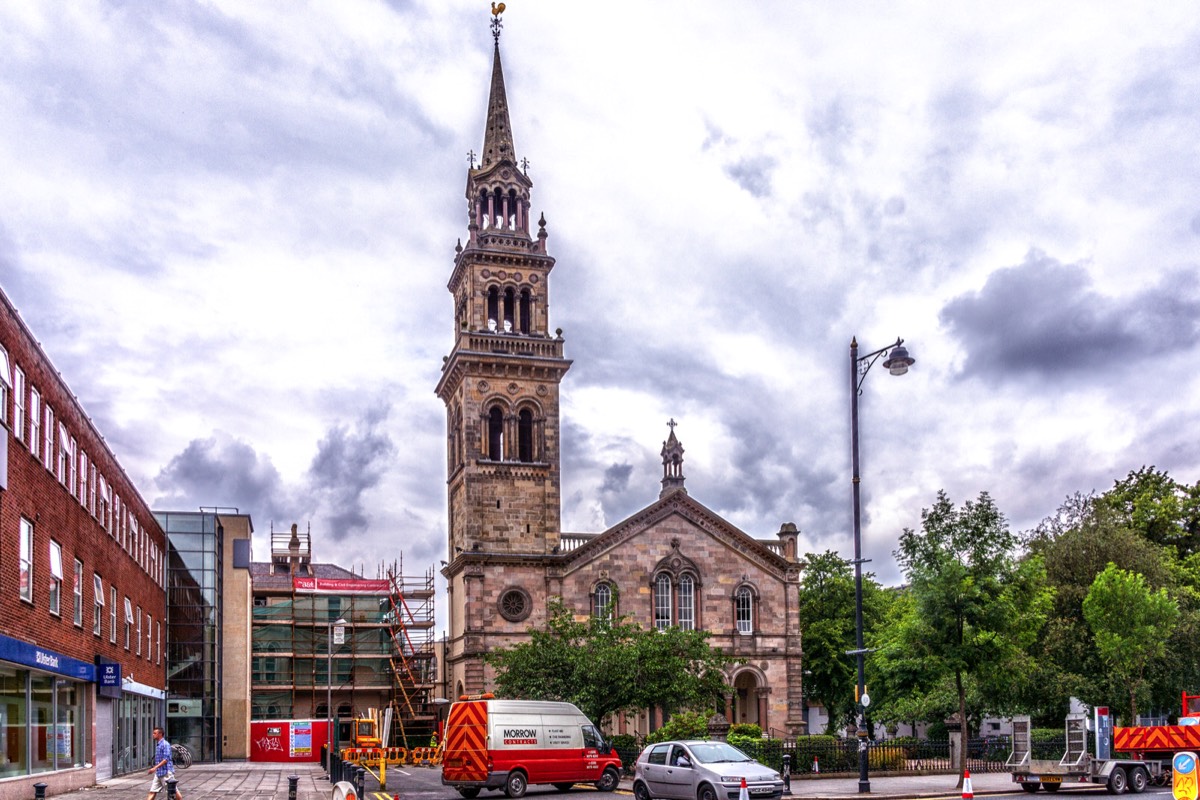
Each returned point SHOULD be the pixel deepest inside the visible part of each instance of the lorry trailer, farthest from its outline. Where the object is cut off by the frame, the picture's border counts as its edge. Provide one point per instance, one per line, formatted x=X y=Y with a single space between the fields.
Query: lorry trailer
x=1127 y=758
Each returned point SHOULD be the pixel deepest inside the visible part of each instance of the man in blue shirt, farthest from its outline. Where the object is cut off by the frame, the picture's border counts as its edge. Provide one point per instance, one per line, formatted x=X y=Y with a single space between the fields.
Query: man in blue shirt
x=164 y=767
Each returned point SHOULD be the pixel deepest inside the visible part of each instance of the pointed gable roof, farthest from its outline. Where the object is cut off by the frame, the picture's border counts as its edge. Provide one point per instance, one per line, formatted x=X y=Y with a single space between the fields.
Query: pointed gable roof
x=699 y=515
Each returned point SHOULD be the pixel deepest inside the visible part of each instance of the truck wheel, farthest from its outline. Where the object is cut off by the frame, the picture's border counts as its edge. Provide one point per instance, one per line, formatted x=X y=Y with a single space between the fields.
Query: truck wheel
x=516 y=784
x=1030 y=787
x=640 y=792
x=609 y=780
x=1118 y=782
x=1051 y=787
x=706 y=793
x=469 y=792
x=1138 y=780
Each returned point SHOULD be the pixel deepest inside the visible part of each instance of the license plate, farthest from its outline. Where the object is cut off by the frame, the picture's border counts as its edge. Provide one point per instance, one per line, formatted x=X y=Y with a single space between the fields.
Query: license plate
x=1052 y=779
x=762 y=790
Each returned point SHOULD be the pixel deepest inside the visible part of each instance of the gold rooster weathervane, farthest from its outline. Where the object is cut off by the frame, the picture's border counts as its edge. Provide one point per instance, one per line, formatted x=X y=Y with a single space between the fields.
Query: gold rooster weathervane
x=497 y=23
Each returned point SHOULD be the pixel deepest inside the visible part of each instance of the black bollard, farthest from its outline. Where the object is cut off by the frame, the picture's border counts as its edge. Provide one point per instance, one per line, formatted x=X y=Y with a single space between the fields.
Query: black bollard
x=360 y=780
x=335 y=768
x=171 y=787
x=292 y=781
x=325 y=758
x=39 y=791
x=787 y=774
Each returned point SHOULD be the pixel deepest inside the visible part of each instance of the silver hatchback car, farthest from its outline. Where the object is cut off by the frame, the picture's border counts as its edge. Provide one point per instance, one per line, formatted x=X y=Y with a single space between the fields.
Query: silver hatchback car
x=701 y=770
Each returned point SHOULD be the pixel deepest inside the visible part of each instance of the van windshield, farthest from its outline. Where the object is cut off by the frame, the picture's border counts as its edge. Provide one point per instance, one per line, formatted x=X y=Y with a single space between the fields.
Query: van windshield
x=717 y=752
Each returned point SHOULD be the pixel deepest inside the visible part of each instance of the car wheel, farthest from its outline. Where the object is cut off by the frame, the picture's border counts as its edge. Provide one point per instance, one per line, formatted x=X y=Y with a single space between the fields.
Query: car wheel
x=1030 y=787
x=469 y=792
x=609 y=780
x=640 y=791
x=516 y=784
x=706 y=792
x=1118 y=781
x=1138 y=780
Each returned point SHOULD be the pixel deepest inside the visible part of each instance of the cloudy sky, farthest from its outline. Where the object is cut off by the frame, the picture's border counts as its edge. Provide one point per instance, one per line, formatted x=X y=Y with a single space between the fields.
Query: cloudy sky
x=231 y=225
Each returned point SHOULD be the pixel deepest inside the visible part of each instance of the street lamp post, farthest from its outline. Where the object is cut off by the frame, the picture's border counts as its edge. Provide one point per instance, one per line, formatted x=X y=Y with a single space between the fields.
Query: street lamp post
x=340 y=629
x=897 y=363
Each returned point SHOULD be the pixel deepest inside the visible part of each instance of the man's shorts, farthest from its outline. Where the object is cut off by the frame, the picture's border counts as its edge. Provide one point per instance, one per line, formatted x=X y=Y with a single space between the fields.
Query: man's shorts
x=160 y=782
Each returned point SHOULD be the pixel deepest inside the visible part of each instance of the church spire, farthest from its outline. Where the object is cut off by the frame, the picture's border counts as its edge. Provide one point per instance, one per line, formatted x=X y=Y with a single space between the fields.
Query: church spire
x=497 y=137
x=672 y=456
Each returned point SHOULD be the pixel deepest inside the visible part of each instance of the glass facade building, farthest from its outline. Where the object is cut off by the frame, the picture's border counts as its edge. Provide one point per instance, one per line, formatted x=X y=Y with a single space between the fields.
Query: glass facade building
x=195 y=542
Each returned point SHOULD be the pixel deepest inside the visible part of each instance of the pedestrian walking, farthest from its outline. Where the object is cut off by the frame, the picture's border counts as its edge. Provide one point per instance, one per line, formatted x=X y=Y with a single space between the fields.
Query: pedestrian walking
x=164 y=767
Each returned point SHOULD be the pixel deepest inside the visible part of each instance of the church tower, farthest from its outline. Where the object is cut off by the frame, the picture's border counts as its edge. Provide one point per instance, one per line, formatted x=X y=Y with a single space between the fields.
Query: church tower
x=500 y=382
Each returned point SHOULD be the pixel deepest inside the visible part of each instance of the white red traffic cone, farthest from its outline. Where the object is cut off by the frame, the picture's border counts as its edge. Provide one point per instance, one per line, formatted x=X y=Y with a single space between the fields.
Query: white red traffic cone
x=744 y=791
x=816 y=765
x=968 y=792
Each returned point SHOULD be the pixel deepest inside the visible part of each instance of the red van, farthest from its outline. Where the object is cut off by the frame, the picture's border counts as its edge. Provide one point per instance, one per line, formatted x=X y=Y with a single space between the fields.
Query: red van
x=509 y=744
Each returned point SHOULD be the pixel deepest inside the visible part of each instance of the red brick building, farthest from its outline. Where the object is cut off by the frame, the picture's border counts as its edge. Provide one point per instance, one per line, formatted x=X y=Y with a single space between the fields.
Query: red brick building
x=82 y=603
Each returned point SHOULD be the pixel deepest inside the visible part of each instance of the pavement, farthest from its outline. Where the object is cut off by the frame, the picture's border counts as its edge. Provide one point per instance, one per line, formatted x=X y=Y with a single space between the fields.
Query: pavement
x=258 y=781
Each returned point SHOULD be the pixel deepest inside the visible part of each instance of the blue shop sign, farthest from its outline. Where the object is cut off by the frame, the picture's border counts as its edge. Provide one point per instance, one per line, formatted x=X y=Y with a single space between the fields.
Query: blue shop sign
x=109 y=674
x=40 y=658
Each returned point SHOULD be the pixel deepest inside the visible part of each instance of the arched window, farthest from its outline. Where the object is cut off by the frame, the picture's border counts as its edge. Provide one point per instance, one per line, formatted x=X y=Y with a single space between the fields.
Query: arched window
x=496 y=434
x=526 y=311
x=493 y=308
x=602 y=605
x=662 y=602
x=525 y=435
x=743 y=606
x=686 y=603
x=510 y=302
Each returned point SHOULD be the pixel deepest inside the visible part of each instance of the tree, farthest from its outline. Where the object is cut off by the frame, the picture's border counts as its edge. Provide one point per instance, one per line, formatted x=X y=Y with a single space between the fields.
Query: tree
x=826 y=615
x=1131 y=623
x=1162 y=510
x=610 y=665
x=976 y=607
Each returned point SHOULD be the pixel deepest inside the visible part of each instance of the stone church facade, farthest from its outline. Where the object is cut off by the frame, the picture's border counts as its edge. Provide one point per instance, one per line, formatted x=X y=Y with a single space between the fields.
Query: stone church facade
x=675 y=562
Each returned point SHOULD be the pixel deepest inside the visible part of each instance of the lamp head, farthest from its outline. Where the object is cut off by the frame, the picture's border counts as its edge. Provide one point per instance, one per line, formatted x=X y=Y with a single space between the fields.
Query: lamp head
x=898 y=361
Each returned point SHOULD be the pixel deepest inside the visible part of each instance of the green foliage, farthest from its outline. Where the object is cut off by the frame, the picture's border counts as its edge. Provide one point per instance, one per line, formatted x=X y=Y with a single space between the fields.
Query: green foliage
x=975 y=607
x=827 y=621
x=684 y=725
x=751 y=729
x=1160 y=509
x=605 y=666
x=623 y=741
x=1130 y=622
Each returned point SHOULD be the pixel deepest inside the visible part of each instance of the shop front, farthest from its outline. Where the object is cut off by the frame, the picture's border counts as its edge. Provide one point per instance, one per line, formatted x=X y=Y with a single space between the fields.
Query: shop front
x=45 y=720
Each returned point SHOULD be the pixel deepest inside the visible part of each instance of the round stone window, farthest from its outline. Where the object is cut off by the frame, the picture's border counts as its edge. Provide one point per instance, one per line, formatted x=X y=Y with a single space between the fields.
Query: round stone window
x=515 y=604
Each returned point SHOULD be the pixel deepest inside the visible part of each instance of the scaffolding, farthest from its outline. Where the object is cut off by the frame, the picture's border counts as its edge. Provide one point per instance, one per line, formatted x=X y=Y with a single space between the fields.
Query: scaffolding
x=384 y=664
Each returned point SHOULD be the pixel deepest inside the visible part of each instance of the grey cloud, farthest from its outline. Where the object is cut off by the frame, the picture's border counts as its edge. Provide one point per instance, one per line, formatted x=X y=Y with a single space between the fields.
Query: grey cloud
x=753 y=174
x=616 y=478
x=221 y=470
x=1044 y=317
x=349 y=461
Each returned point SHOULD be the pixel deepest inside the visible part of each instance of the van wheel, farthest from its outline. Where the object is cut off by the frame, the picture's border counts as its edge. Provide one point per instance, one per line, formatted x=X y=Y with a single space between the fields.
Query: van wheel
x=640 y=792
x=469 y=792
x=609 y=780
x=563 y=787
x=516 y=784
x=706 y=792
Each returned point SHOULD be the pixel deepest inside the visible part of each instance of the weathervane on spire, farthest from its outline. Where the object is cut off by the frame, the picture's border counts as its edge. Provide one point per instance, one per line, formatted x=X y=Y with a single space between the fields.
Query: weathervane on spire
x=497 y=23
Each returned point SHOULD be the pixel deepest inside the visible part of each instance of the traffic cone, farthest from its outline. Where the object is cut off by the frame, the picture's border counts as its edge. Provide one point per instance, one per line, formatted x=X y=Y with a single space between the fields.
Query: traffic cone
x=968 y=792
x=816 y=765
x=744 y=791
